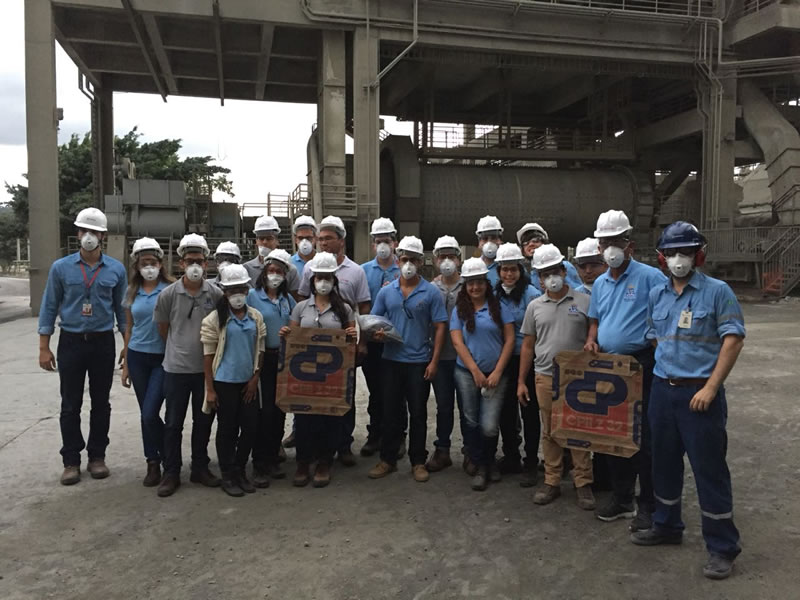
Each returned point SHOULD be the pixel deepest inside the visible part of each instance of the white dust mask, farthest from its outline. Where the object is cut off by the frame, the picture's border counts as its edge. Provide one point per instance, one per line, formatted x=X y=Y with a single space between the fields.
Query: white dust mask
x=554 y=283
x=489 y=250
x=383 y=251
x=89 y=241
x=408 y=270
x=194 y=272
x=274 y=280
x=508 y=288
x=149 y=273
x=237 y=301
x=680 y=265
x=263 y=251
x=305 y=247
x=447 y=267
x=323 y=286
x=614 y=256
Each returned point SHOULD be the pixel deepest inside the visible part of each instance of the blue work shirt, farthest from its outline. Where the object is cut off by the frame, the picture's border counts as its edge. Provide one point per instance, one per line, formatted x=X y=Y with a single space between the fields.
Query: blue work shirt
x=144 y=332
x=517 y=310
x=692 y=351
x=275 y=312
x=412 y=316
x=66 y=293
x=572 y=279
x=620 y=307
x=493 y=275
x=583 y=289
x=485 y=342
x=299 y=264
x=236 y=365
x=378 y=277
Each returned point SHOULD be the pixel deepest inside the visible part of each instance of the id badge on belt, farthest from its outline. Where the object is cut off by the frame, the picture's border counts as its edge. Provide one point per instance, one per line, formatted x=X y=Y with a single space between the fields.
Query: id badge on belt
x=86 y=309
x=685 y=321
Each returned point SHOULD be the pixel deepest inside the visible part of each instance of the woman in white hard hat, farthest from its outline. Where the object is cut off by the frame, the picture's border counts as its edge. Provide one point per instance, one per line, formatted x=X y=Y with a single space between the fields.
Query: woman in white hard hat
x=515 y=293
x=233 y=342
x=482 y=331
x=317 y=436
x=144 y=349
x=272 y=299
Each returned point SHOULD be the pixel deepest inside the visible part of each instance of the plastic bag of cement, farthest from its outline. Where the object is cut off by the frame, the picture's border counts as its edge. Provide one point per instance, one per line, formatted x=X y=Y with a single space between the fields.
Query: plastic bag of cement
x=369 y=324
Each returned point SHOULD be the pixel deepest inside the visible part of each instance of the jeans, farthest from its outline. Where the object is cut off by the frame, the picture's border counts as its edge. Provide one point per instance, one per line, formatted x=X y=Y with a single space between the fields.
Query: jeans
x=178 y=388
x=444 y=388
x=531 y=423
x=270 y=418
x=79 y=355
x=405 y=386
x=316 y=437
x=236 y=426
x=510 y=424
x=147 y=377
x=677 y=430
x=482 y=408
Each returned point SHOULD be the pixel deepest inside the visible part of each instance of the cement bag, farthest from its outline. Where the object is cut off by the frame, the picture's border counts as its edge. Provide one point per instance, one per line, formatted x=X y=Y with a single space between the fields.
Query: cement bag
x=369 y=324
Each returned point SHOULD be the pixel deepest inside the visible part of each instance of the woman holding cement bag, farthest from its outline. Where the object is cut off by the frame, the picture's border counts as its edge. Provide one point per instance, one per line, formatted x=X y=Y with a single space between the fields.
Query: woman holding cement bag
x=317 y=436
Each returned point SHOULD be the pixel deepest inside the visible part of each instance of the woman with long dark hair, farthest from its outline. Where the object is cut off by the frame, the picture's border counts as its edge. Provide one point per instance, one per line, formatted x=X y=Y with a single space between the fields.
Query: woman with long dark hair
x=143 y=350
x=317 y=436
x=482 y=331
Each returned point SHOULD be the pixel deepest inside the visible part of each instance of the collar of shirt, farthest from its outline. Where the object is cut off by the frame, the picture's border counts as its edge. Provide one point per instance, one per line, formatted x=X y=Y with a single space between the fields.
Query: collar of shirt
x=181 y=289
x=607 y=275
x=419 y=287
x=439 y=282
x=567 y=296
x=159 y=286
x=100 y=261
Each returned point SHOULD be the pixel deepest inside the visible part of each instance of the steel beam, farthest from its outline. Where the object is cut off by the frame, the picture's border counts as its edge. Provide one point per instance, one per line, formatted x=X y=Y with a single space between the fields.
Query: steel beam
x=161 y=55
x=404 y=80
x=267 y=35
x=218 y=50
x=140 y=40
x=672 y=128
x=76 y=58
x=480 y=89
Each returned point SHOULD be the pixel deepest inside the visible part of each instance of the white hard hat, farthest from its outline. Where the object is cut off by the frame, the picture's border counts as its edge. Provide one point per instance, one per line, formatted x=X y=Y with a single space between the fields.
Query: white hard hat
x=92 y=218
x=279 y=255
x=382 y=226
x=546 y=256
x=323 y=262
x=304 y=221
x=528 y=227
x=233 y=275
x=588 y=248
x=227 y=248
x=488 y=223
x=612 y=223
x=508 y=253
x=411 y=244
x=446 y=242
x=193 y=242
x=332 y=222
x=474 y=267
x=266 y=223
x=146 y=244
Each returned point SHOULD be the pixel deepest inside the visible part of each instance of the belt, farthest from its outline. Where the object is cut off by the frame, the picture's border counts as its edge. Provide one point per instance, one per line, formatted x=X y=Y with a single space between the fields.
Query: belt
x=89 y=335
x=688 y=381
x=274 y=351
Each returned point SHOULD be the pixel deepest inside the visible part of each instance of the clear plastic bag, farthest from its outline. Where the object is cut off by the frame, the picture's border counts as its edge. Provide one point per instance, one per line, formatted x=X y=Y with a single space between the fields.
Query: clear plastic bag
x=369 y=324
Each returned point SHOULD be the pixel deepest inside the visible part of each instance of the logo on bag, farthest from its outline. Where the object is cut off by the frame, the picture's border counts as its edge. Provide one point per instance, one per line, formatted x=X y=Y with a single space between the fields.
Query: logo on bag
x=316 y=363
x=603 y=401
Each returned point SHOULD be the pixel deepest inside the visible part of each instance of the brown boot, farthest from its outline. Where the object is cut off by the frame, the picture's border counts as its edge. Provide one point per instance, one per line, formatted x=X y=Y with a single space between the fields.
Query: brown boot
x=420 y=473
x=302 y=476
x=205 y=477
x=382 y=469
x=546 y=494
x=153 y=477
x=97 y=468
x=169 y=485
x=440 y=460
x=322 y=475
x=71 y=475
x=585 y=497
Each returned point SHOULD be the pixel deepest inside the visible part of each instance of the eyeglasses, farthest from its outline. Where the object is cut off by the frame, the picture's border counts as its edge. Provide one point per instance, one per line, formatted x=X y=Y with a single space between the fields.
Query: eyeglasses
x=686 y=251
x=618 y=242
x=194 y=261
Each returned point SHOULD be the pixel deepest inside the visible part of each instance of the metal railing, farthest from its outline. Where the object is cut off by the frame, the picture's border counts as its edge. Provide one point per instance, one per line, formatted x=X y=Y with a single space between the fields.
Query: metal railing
x=339 y=200
x=750 y=242
x=696 y=8
x=749 y=7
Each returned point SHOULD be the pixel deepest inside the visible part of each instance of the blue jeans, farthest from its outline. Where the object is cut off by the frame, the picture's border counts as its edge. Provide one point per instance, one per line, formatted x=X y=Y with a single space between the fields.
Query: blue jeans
x=444 y=388
x=676 y=430
x=147 y=377
x=482 y=408
x=178 y=388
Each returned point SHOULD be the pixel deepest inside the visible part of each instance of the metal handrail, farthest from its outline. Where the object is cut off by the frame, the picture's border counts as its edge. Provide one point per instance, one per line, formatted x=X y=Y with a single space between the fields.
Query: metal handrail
x=749 y=7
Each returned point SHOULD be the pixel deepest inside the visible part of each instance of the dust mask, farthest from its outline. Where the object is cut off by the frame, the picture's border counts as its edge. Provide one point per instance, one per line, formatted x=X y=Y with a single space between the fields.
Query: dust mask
x=383 y=251
x=614 y=256
x=89 y=241
x=149 y=273
x=263 y=251
x=223 y=264
x=680 y=265
x=508 y=288
x=554 y=283
x=447 y=267
x=408 y=270
x=237 y=301
x=305 y=247
x=194 y=272
x=323 y=286
x=274 y=280
x=489 y=250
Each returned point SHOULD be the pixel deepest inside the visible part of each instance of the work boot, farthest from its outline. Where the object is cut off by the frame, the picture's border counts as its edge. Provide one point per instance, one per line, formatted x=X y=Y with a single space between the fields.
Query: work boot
x=382 y=469
x=546 y=494
x=717 y=567
x=302 y=475
x=153 y=477
x=97 y=468
x=530 y=476
x=470 y=468
x=440 y=460
x=230 y=485
x=509 y=465
x=276 y=471
x=402 y=451
x=322 y=474
x=420 y=473
x=71 y=475
x=585 y=497
x=481 y=479
x=289 y=442
x=244 y=482
x=204 y=477
x=346 y=457
x=169 y=485
x=494 y=474
x=651 y=537
x=261 y=477
x=613 y=510
x=643 y=519
x=370 y=447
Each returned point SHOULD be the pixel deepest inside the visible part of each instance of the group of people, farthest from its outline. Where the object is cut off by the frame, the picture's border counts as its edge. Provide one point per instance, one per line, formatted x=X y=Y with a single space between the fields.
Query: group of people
x=484 y=333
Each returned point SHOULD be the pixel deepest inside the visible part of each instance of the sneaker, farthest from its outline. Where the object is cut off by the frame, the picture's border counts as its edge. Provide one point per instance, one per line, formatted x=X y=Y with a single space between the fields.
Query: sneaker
x=508 y=465
x=169 y=485
x=347 y=458
x=302 y=475
x=230 y=486
x=717 y=567
x=261 y=477
x=322 y=475
x=546 y=494
x=613 y=510
x=481 y=479
x=153 y=477
x=420 y=473
x=244 y=482
x=529 y=477
x=97 y=468
x=650 y=537
x=370 y=447
x=402 y=451
x=585 y=497
x=289 y=441
x=440 y=460
x=642 y=521
x=382 y=469
x=204 y=477
x=71 y=475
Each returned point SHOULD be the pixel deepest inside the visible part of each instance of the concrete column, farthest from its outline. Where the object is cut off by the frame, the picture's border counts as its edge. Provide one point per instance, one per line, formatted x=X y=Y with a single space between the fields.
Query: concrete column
x=366 y=131
x=730 y=194
x=42 y=140
x=104 y=100
x=331 y=109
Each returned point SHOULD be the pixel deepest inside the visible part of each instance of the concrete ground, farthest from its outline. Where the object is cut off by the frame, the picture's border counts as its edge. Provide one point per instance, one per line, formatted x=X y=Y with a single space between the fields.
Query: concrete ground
x=392 y=538
x=15 y=298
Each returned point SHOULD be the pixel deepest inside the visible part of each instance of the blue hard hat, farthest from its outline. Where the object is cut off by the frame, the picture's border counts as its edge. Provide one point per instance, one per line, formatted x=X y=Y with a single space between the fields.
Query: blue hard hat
x=680 y=234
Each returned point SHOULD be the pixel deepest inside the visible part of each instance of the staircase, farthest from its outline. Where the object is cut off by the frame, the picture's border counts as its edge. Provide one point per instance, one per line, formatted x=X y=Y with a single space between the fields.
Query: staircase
x=781 y=263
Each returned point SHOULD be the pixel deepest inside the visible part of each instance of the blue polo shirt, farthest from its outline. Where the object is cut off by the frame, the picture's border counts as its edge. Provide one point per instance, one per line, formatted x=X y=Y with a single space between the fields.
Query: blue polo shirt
x=690 y=352
x=493 y=275
x=620 y=307
x=275 y=312
x=572 y=279
x=412 y=316
x=378 y=277
x=144 y=332
x=66 y=293
x=299 y=264
x=583 y=289
x=238 y=358
x=485 y=343
x=518 y=311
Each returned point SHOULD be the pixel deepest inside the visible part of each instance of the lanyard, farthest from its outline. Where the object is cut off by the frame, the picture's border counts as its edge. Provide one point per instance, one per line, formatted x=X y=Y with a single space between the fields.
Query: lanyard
x=88 y=282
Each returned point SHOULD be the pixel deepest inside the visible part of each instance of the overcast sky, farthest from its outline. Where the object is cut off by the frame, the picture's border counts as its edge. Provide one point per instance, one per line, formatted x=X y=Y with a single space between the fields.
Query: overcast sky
x=263 y=143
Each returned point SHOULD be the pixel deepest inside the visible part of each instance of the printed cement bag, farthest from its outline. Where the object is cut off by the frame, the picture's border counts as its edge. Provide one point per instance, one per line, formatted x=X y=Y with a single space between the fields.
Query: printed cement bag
x=316 y=372
x=597 y=402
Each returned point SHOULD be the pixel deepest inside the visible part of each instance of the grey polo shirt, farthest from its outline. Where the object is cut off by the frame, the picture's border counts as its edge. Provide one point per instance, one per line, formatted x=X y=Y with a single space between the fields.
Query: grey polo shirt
x=255 y=267
x=184 y=351
x=353 y=285
x=557 y=325
x=307 y=314
x=449 y=295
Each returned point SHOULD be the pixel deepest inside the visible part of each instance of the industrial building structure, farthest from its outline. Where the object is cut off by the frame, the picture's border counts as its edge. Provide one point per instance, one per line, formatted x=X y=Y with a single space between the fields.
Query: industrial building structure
x=531 y=110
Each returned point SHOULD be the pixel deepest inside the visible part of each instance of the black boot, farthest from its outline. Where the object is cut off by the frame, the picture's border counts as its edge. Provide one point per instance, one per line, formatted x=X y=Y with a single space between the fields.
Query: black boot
x=153 y=477
x=230 y=485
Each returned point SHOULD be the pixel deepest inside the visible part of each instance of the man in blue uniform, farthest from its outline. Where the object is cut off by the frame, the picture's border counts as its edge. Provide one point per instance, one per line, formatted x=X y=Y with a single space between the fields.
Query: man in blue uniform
x=530 y=237
x=490 y=236
x=305 y=232
x=697 y=326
